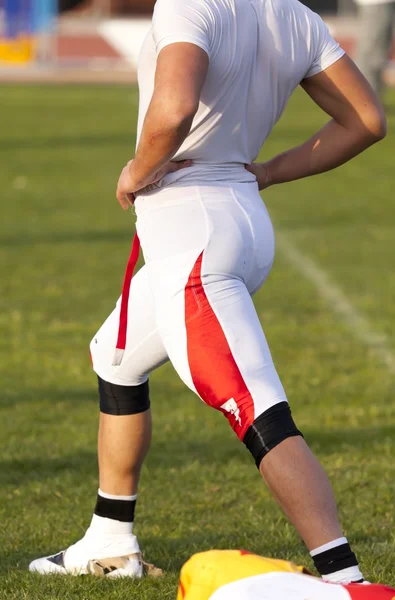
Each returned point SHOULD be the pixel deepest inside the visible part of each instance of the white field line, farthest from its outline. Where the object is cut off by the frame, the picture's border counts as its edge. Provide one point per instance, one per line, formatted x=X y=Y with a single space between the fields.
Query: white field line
x=333 y=295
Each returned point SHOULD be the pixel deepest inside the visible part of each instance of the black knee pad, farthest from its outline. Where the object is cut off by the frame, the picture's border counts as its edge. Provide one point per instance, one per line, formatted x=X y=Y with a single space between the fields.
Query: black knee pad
x=123 y=399
x=270 y=429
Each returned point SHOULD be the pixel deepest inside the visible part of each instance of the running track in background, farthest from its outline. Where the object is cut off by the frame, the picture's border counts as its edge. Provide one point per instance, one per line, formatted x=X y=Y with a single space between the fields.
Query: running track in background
x=122 y=39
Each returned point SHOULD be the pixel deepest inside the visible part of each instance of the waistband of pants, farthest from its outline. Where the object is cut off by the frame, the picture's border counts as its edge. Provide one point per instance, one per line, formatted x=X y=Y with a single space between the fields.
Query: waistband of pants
x=174 y=195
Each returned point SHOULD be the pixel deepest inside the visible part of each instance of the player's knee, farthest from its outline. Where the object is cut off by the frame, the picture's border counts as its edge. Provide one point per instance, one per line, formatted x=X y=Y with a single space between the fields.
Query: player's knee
x=270 y=429
x=123 y=399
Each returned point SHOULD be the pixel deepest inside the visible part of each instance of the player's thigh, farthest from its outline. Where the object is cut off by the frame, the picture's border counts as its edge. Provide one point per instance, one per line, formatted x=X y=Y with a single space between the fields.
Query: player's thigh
x=228 y=355
x=214 y=339
x=144 y=349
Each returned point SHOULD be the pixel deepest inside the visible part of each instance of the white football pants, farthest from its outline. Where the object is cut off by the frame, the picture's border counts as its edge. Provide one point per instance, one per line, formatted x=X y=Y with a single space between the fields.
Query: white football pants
x=206 y=250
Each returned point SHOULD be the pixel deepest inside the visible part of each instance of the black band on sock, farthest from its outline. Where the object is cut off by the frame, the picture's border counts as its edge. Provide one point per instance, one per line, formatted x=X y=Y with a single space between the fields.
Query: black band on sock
x=335 y=559
x=119 y=510
x=123 y=399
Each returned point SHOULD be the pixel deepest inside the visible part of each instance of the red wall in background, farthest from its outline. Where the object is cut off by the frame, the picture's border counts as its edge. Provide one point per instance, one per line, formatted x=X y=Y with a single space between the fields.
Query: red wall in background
x=107 y=6
x=133 y=6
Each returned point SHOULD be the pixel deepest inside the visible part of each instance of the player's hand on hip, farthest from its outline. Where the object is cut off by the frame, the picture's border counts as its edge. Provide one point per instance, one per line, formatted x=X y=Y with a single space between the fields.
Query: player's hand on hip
x=261 y=172
x=127 y=186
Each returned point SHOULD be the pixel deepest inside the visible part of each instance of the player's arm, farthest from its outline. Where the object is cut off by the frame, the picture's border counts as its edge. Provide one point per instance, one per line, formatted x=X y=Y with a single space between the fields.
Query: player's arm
x=180 y=74
x=358 y=121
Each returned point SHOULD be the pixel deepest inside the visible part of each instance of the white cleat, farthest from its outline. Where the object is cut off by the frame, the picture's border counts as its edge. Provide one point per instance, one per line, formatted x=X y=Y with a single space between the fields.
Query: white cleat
x=119 y=557
x=117 y=566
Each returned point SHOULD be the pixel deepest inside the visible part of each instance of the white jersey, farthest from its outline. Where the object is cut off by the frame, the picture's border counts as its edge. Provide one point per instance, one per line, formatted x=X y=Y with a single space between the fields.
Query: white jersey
x=259 y=51
x=281 y=586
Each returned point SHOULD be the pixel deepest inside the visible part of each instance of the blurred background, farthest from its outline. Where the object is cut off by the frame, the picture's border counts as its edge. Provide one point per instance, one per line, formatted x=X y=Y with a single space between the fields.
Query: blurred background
x=99 y=40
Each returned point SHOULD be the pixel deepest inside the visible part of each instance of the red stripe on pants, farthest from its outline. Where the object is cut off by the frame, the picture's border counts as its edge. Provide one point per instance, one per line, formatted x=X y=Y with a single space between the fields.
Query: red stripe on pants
x=214 y=371
x=123 y=315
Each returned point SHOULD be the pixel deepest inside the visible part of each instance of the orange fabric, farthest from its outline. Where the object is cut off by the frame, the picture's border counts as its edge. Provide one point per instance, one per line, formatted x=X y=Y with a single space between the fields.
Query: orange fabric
x=214 y=371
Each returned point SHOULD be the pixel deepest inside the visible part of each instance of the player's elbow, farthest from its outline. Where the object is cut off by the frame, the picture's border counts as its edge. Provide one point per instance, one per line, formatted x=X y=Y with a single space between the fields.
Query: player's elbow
x=375 y=124
x=379 y=127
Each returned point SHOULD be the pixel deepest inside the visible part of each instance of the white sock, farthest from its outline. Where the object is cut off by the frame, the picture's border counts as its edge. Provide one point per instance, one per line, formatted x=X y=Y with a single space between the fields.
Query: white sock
x=350 y=575
x=114 y=497
x=103 y=527
x=326 y=558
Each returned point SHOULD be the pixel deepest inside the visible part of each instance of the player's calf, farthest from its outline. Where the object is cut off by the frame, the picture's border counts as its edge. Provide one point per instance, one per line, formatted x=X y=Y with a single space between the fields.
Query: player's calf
x=109 y=547
x=303 y=491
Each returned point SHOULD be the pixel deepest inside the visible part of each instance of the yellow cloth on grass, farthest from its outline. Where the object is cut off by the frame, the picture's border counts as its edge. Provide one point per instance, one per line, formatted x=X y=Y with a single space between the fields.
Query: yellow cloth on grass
x=205 y=572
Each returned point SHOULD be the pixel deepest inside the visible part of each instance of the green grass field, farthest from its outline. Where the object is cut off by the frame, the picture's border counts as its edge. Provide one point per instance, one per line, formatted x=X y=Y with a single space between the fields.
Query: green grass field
x=64 y=244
